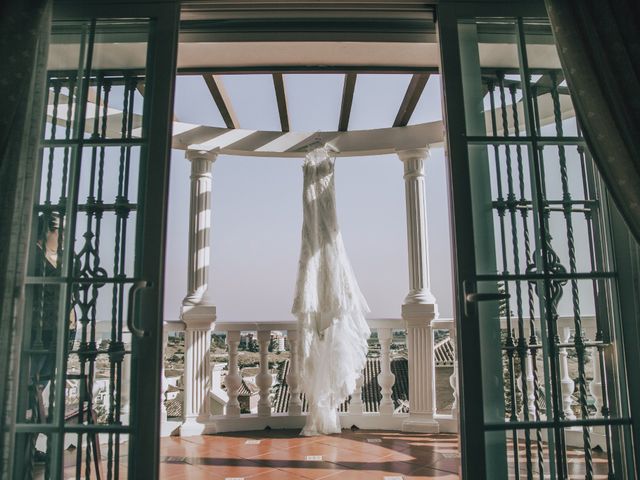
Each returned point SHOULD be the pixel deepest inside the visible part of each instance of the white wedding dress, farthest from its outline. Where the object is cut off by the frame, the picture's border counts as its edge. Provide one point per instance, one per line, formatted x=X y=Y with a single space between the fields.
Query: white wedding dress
x=328 y=303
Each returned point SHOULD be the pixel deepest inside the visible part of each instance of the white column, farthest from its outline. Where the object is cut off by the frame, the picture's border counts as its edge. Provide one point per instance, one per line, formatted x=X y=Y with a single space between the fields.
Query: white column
x=293 y=376
x=233 y=380
x=418 y=248
x=198 y=311
x=199 y=227
x=263 y=379
x=419 y=308
x=386 y=379
x=197 y=379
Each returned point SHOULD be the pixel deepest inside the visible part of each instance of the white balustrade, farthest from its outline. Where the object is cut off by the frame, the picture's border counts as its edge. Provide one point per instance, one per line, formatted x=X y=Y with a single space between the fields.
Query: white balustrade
x=234 y=420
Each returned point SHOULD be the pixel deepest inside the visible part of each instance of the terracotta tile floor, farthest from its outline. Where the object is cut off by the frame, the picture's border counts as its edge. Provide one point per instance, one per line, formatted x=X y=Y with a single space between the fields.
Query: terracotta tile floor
x=283 y=454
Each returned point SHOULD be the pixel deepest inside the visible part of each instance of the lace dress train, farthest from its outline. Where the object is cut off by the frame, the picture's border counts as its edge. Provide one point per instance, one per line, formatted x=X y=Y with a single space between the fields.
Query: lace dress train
x=328 y=303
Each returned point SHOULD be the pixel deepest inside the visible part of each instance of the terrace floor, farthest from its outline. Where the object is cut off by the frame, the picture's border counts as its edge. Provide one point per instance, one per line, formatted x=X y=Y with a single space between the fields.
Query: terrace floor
x=283 y=454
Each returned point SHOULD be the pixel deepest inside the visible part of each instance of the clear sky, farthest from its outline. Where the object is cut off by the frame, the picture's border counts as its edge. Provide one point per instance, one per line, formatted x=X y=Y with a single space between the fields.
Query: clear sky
x=257 y=204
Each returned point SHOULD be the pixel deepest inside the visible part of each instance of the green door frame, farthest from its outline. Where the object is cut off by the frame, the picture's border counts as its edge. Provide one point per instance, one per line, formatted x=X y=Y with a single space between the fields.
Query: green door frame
x=473 y=413
x=470 y=379
x=152 y=219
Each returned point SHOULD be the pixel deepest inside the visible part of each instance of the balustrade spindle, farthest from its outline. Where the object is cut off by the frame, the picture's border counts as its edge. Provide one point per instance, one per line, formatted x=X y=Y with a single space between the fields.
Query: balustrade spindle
x=531 y=396
x=356 y=407
x=293 y=377
x=233 y=380
x=263 y=379
x=567 y=384
x=595 y=386
x=386 y=379
x=453 y=379
x=164 y=384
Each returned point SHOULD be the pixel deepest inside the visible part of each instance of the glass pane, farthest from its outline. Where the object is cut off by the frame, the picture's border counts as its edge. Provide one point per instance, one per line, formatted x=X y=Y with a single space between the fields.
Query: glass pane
x=491 y=78
x=552 y=105
x=76 y=357
x=548 y=335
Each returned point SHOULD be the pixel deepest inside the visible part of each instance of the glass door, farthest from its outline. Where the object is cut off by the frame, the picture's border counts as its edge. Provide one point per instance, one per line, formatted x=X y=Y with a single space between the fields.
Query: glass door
x=89 y=376
x=542 y=377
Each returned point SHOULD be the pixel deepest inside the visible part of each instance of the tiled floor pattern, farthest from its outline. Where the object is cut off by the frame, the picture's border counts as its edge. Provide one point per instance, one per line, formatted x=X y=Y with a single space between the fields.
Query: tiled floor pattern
x=283 y=454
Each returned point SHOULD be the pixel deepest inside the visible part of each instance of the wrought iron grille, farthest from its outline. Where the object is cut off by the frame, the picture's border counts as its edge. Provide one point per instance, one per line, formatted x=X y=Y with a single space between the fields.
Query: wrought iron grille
x=564 y=390
x=76 y=357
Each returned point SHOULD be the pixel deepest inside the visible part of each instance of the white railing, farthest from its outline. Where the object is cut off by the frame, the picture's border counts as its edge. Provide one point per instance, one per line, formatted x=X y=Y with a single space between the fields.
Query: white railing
x=387 y=415
x=568 y=376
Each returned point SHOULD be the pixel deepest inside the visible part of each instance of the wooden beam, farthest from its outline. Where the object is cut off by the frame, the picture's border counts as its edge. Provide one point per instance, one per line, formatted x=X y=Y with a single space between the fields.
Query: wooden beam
x=347 y=101
x=411 y=97
x=281 y=99
x=222 y=100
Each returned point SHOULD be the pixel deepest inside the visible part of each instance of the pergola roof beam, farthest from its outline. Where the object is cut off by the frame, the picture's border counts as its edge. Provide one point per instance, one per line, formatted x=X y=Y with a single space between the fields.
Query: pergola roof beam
x=347 y=101
x=219 y=94
x=410 y=100
x=281 y=99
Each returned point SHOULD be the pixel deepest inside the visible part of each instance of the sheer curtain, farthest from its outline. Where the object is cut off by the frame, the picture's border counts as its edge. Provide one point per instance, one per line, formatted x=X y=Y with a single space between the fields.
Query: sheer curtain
x=328 y=303
x=24 y=42
x=599 y=46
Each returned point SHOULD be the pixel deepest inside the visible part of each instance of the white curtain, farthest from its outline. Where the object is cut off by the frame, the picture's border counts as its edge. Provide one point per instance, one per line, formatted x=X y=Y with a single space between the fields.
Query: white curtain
x=328 y=303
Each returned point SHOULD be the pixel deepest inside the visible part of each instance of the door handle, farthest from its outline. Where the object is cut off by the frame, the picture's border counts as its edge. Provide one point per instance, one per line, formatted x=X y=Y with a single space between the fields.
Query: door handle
x=486 y=297
x=471 y=296
x=135 y=288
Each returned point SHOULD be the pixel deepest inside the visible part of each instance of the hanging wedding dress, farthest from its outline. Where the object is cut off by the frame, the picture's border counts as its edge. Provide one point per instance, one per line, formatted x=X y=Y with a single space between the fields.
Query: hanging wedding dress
x=328 y=303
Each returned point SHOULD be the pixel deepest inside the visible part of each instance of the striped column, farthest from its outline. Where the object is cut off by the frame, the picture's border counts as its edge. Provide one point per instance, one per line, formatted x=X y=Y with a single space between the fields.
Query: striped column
x=198 y=311
x=419 y=308
x=199 y=226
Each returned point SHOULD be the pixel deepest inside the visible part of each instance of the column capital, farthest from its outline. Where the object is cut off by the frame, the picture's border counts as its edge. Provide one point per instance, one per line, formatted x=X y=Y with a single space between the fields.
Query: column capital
x=413 y=162
x=201 y=162
x=405 y=155
x=201 y=154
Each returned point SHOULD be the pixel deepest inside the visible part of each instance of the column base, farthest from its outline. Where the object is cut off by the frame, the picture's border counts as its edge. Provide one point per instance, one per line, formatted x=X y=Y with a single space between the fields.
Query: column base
x=419 y=314
x=198 y=316
x=194 y=426
x=419 y=424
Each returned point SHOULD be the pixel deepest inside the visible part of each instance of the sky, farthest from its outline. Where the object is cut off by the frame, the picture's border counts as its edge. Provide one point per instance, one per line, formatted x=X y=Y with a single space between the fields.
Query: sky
x=257 y=202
